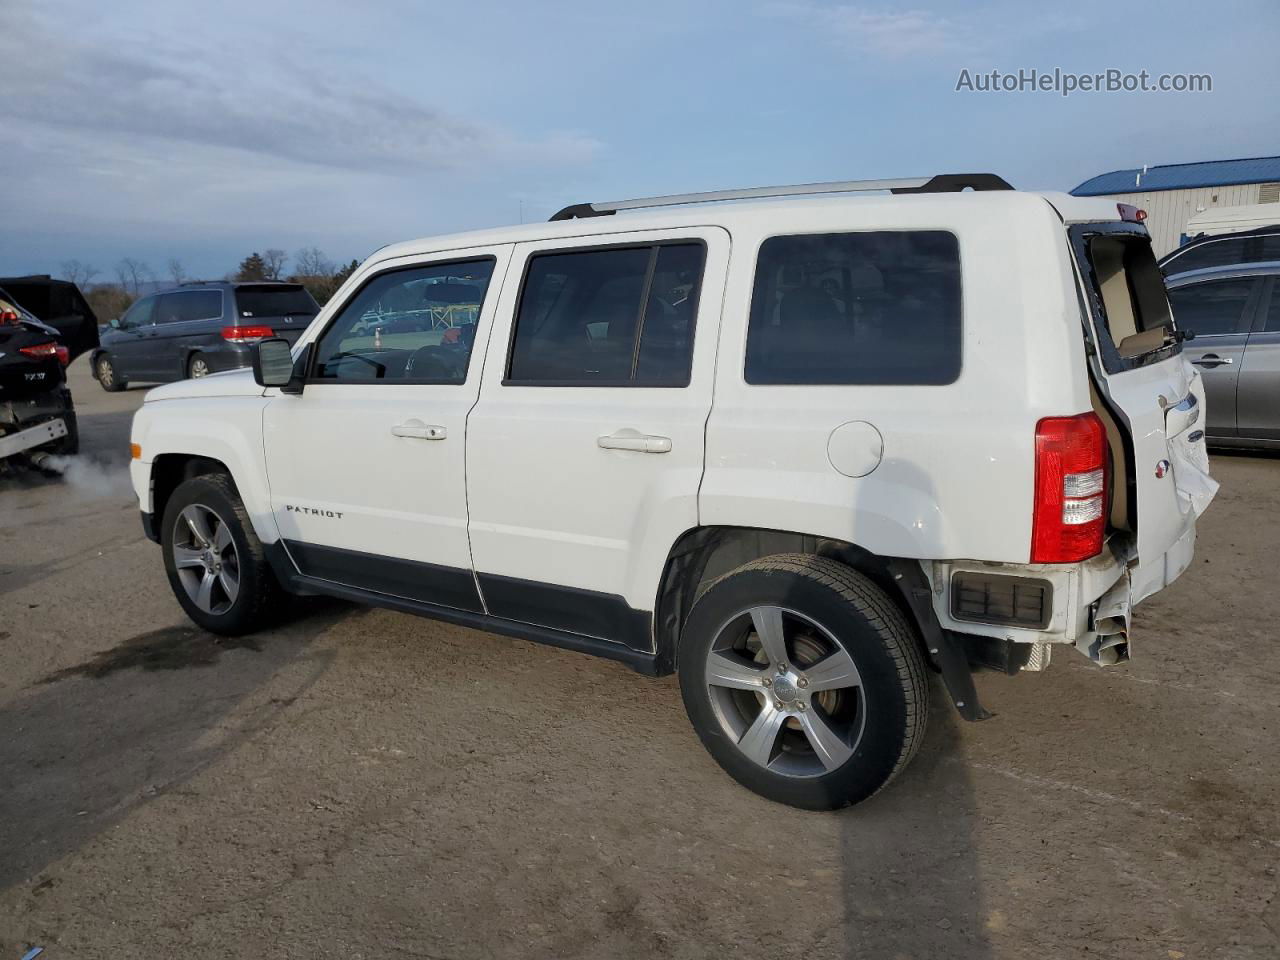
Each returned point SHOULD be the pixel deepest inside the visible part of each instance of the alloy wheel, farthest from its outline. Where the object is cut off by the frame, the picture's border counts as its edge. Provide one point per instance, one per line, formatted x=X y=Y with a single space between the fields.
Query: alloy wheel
x=199 y=368
x=205 y=556
x=786 y=691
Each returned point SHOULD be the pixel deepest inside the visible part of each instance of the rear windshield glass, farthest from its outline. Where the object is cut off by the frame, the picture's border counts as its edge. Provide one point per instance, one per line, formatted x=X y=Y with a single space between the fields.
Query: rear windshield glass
x=850 y=308
x=275 y=302
x=1130 y=307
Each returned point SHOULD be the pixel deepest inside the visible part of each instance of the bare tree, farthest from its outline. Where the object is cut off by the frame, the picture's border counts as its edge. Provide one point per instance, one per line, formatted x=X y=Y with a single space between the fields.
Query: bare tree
x=78 y=273
x=133 y=274
x=311 y=262
x=176 y=271
x=273 y=262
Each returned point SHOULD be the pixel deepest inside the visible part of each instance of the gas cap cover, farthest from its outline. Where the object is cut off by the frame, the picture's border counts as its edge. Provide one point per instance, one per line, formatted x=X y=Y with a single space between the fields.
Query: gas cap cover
x=855 y=448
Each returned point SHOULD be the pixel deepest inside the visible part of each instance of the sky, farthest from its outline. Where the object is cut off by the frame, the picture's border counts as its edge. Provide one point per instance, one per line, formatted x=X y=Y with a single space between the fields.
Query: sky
x=204 y=131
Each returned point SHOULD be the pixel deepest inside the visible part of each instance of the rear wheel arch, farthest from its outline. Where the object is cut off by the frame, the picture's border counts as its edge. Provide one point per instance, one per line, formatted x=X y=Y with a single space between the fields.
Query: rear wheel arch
x=702 y=555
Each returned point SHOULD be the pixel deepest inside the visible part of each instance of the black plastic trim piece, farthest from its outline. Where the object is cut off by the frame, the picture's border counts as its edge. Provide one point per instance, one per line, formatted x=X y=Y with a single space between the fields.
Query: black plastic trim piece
x=149 y=527
x=582 y=612
x=946 y=650
x=577 y=211
x=972 y=579
x=410 y=580
x=956 y=182
x=287 y=574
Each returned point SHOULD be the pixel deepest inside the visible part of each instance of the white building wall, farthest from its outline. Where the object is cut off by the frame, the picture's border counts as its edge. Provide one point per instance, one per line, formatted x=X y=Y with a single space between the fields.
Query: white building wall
x=1169 y=210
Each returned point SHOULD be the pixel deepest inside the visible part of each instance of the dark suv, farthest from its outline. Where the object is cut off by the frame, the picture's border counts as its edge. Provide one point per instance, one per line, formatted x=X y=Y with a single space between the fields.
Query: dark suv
x=198 y=329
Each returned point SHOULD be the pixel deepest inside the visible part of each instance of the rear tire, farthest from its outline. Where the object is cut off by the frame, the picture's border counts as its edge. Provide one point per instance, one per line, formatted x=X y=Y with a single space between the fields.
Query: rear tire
x=105 y=371
x=216 y=564
x=804 y=680
x=197 y=367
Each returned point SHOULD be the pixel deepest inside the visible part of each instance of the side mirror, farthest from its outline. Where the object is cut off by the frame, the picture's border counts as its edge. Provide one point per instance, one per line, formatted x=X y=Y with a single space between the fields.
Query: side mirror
x=274 y=366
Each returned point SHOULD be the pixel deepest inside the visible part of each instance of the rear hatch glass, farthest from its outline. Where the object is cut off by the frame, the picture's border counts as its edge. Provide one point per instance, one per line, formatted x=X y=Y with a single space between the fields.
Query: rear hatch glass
x=1154 y=397
x=286 y=308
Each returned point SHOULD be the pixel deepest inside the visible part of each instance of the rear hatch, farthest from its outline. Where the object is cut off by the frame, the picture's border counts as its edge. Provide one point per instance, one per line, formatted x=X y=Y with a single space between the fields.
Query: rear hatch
x=1154 y=397
x=287 y=308
x=35 y=371
x=60 y=305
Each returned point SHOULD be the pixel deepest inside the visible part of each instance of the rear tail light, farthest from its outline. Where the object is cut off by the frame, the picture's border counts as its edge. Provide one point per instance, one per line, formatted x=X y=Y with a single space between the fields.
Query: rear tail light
x=1071 y=489
x=8 y=316
x=240 y=334
x=42 y=351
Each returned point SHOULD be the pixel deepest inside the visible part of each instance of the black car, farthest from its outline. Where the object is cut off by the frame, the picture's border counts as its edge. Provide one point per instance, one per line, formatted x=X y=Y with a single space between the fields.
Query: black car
x=44 y=325
x=1220 y=250
x=198 y=329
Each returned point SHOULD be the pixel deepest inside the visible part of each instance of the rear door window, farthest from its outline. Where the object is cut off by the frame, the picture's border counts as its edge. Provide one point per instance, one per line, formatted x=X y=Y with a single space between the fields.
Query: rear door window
x=180 y=307
x=1214 y=307
x=856 y=308
x=275 y=301
x=621 y=316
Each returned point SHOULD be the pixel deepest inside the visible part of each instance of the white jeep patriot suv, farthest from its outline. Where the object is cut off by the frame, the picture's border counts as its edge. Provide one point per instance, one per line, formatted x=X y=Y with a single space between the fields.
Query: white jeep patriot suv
x=801 y=450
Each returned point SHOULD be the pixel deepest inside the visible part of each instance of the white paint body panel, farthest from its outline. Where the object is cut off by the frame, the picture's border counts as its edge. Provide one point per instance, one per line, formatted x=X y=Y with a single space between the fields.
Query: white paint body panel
x=547 y=502
x=331 y=450
x=955 y=478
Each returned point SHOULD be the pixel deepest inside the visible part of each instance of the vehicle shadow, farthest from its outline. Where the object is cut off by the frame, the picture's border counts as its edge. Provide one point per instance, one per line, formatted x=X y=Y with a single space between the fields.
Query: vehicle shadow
x=912 y=880
x=82 y=747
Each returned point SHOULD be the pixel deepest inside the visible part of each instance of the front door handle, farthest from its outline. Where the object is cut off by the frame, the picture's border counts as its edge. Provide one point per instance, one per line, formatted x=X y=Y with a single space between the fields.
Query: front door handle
x=417 y=430
x=1211 y=360
x=634 y=440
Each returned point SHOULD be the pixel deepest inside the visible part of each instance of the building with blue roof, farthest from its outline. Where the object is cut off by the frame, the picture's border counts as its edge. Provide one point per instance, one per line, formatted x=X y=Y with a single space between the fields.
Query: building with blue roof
x=1174 y=193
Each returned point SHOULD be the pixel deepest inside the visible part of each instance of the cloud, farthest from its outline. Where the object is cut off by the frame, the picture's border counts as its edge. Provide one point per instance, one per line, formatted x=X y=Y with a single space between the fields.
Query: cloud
x=893 y=35
x=255 y=97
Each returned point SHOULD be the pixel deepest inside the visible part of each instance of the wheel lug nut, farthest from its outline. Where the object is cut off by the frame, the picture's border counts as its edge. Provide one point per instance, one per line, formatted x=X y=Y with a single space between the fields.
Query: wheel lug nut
x=800 y=706
x=782 y=668
x=777 y=704
x=768 y=682
x=802 y=682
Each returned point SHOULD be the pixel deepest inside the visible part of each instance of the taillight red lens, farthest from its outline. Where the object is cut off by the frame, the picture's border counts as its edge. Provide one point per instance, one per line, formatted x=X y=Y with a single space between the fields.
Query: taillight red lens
x=1070 y=515
x=237 y=334
x=41 y=350
x=64 y=355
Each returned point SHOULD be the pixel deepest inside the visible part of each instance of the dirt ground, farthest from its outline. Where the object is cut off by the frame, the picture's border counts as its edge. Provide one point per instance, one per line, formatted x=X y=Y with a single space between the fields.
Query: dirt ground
x=368 y=784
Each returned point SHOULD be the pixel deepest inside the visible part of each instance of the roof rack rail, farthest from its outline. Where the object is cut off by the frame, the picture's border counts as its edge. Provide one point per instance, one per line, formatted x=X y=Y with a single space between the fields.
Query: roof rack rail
x=942 y=183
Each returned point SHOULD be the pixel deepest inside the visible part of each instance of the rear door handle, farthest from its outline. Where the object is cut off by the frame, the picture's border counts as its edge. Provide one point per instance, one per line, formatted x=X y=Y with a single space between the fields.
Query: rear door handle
x=1211 y=360
x=417 y=430
x=634 y=440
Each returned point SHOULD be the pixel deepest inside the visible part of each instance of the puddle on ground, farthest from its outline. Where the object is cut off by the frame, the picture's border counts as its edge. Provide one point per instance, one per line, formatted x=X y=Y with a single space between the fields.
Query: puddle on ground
x=171 y=648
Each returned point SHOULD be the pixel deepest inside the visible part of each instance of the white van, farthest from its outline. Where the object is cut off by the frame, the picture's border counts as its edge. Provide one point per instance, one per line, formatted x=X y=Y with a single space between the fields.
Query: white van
x=801 y=449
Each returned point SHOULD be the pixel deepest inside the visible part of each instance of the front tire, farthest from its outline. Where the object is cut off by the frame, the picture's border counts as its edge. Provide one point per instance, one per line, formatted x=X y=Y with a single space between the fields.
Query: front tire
x=803 y=679
x=216 y=564
x=108 y=378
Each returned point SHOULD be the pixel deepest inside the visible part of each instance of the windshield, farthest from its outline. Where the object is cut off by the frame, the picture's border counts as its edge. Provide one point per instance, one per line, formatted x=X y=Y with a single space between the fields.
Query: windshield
x=274 y=301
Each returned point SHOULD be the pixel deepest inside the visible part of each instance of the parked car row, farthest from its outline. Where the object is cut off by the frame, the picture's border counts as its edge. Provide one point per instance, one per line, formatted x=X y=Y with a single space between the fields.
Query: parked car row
x=198 y=329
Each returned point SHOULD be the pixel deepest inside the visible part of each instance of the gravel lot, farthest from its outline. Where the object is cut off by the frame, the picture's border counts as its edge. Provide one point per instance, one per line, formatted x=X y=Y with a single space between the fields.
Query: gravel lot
x=368 y=784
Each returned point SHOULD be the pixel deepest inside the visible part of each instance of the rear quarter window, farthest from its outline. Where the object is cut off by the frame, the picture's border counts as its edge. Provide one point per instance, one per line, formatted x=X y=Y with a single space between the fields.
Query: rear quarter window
x=275 y=302
x=856 y=308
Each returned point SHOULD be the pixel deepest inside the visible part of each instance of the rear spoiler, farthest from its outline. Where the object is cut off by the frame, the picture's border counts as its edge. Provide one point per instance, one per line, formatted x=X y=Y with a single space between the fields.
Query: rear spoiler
x=60 y=305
